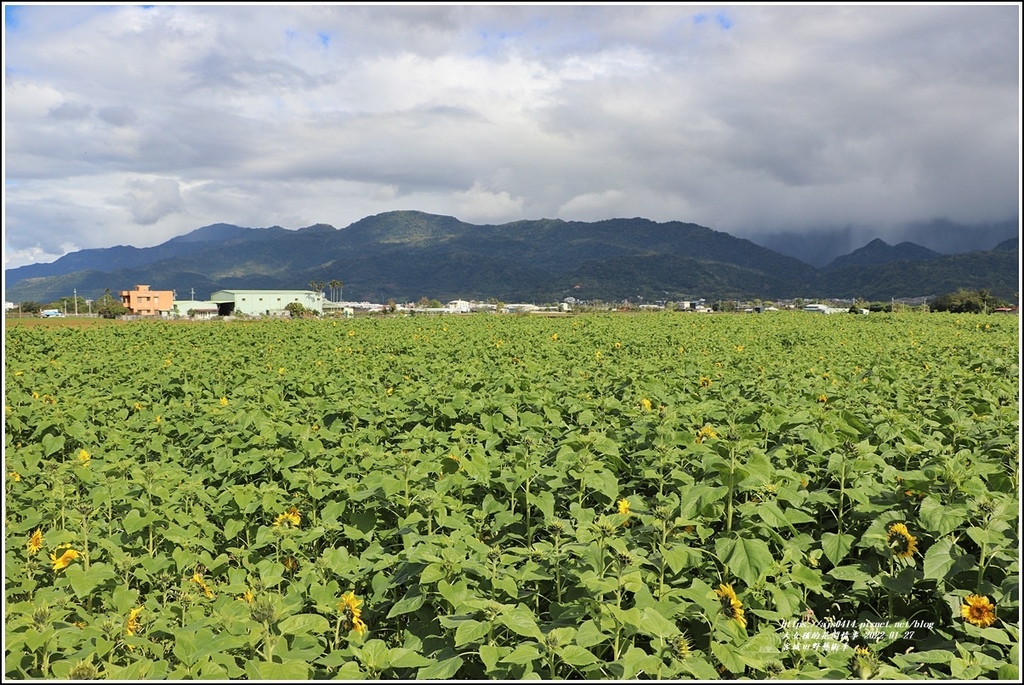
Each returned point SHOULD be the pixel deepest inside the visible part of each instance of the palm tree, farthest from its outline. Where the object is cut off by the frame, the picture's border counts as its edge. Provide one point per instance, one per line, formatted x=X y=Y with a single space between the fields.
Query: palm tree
x=334 y=285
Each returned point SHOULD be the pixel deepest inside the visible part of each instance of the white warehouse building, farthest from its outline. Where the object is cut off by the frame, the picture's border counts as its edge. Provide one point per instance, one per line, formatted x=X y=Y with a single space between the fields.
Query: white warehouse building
x=265 y=302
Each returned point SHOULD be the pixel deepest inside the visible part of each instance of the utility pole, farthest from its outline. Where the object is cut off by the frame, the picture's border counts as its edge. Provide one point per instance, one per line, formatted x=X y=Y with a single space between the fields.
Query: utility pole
x=76 y=301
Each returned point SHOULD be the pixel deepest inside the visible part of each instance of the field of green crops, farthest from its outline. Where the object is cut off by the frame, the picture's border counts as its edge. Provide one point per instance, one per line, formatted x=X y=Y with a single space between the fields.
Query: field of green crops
x=597 y=496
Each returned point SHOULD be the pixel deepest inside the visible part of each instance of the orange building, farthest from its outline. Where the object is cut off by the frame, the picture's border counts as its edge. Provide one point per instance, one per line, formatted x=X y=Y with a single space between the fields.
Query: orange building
x=145 y=302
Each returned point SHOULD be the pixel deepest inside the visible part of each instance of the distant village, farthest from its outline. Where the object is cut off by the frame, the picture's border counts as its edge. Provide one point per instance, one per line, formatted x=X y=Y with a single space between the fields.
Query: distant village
x=144 y=302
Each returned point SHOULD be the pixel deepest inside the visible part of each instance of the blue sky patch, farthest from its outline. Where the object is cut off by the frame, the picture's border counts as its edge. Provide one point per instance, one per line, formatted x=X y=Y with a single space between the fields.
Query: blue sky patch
x=12 y=16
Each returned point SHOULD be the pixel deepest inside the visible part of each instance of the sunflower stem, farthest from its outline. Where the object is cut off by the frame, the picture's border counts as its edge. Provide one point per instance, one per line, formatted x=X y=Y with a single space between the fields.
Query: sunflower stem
x=981 y=566
x=892 y=574
x=732 y=485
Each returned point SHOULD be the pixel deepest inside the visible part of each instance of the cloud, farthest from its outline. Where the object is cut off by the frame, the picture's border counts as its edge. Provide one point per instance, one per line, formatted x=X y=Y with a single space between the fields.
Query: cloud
x=591 y=205
x=120 y=115
x=479 y=205
x=744 y=118
x=150 y=201
x=70 y=111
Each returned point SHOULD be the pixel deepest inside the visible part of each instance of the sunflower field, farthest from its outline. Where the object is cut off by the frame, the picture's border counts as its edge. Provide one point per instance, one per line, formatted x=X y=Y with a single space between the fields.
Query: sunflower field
x=658 y=496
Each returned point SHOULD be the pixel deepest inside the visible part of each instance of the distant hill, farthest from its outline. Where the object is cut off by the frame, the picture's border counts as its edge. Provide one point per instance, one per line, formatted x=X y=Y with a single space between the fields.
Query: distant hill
x=1009 y=245
x=880 y=252
x=128 y=257
x=996 y=271
x=820 y=247
x=406 y=255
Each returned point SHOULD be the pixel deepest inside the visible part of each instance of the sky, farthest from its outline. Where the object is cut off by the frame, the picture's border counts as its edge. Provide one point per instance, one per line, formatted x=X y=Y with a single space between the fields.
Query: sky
x=131 y=124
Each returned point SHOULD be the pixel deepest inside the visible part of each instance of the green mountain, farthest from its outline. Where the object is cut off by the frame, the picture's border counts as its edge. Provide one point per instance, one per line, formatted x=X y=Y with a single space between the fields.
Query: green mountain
x=880 y=252
x=406 y=255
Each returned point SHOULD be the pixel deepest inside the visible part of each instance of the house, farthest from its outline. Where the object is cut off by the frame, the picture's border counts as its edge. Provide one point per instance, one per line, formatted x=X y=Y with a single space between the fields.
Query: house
x=265 y=302
x=521 y=307
x=195 y=309
x=458 y=307
x=141 y=301
x=824 y=309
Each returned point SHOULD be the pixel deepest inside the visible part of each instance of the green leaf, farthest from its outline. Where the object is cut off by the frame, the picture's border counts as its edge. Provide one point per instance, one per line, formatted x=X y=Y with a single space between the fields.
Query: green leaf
x=289 y=670
x=991 y=634
x=545 y=502
x=507 y=584
x=653 y=623
x=402 y=657
x=680 y=556
x=84 y=582
x=441 y=670
x=728 y=656
x=938 y=518
x=412 y=601
x=746 y=558
x=521 y=621
x=52 y=444
x=809 y=578
x=374 y=655
x=523 y=654
x=983 y=536
x=771 y=514
x=232 y=527
x=904 y=581
x=836 y=546
x=589 y=634
x=853 y=573
x=432 y=573
x=133 y=521
x=489 y=654
x=700 y=668
x=304 y=623
x=470 y=631
x=636 y=661
x=575 y=655
x=934 y=656
x=943 y=560
x=1008 y=672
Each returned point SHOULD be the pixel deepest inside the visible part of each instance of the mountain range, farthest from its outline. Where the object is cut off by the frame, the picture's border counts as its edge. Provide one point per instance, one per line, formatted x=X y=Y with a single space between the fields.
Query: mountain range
x=406 y=255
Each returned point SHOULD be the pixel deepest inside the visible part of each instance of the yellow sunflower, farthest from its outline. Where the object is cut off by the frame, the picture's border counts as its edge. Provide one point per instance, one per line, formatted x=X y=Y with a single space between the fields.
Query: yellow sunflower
x=681 y=645
x=646 y=404
x=350 y=611
x=289 y=519
x=132 y=626
x=197 y=578
x=706 y=432
x=978 y=610
x=863 y=663
x=901 y=542
x=731 y=606
x=704 y=382
x=35 y=543
x=61 y=563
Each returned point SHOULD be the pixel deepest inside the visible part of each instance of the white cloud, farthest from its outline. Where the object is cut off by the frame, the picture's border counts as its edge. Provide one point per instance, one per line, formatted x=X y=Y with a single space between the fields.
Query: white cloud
x=481 y=205
x=150 y=201
x=741 y=117
x=590 y=206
